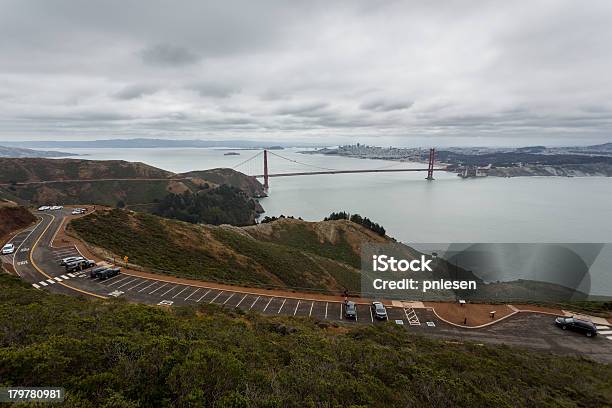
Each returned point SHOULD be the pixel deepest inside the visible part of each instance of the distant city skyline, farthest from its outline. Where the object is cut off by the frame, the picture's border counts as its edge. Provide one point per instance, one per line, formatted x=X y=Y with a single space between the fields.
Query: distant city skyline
x=482 y=73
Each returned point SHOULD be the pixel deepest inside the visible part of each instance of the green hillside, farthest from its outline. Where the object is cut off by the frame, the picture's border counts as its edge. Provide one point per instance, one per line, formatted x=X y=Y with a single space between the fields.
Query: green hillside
x=115 y=354
x=227 y=254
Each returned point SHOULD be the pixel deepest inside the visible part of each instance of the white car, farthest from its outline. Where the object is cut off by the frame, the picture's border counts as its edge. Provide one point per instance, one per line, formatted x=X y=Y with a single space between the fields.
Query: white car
x=44 y=208
x=56 y=207
x=8 y=249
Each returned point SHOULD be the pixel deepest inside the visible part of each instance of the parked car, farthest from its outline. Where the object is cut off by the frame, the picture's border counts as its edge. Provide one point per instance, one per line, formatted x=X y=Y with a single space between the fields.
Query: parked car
x=108 y=273
x=95 y=271
x=80 y=265
x=70 y=259
x=580 y=325
x=8 y=249
x=350 y=309
x=56 y=207
x=43 y=208
x=379 y=310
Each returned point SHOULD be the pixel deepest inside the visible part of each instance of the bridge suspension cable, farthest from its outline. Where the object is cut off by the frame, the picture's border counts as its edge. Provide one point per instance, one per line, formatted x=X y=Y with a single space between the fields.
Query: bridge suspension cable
x=247 y=160
x=301 y=163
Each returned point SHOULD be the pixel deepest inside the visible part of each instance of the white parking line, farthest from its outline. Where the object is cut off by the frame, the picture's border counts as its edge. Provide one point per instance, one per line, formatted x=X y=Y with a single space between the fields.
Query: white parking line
x=138 y=284
x=609 y=337
x=126 y=283
x=169 y=290
x=267 y=304
x=230 y=296
x=43 y=283
x=311 y=306
x=158 y=288
x=281 y=306
x=192 y=293
x=371 y=316
x=72 y=275
x=255 y=301
x=602 y=327
x=215 y=298
x=50 y=281
x=107 y=279
x=64 y=277
x=326 y=304
x=606 y=332
x=202 y=297
x=36 y=286
x=119 y=281
x=57 y=278
x=296 y=307
x=340 y=311
x=184 y=289
x=241 y=300
x=148 y=286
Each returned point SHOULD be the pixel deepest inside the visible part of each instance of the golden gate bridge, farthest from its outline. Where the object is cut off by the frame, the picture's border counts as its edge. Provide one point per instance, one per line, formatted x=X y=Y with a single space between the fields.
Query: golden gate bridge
x=247 y=167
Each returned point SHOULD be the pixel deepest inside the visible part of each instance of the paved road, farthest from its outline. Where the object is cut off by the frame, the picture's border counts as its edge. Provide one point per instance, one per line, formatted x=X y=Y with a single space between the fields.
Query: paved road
x=38 y=263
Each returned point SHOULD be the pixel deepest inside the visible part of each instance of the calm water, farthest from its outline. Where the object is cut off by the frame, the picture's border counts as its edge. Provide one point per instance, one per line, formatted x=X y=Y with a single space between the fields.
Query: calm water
x=413 y=210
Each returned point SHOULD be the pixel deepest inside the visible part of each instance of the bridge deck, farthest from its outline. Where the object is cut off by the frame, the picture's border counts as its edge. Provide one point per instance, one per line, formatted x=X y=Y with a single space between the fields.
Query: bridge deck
x=343 y=172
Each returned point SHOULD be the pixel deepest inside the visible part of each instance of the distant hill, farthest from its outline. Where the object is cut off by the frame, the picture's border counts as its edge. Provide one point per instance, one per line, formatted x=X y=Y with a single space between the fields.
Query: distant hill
x=31 y=169
x=125 y=184
x=22 y=152
x=249 y=185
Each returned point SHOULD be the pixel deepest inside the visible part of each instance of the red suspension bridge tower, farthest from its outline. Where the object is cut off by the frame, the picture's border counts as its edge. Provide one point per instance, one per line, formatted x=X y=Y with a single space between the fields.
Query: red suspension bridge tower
x=266 y=183
x=430 y=168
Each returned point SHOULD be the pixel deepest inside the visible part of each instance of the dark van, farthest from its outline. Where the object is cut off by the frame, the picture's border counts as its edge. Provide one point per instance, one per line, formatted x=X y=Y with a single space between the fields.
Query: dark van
x=95 y=271
x=108 y=273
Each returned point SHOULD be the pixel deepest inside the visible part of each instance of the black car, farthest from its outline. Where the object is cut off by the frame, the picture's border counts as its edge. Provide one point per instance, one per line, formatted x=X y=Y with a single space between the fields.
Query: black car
x=379 y=311
x=80 y=265
x=578 y=325
x=94 y=272
x=350 y=310
x=108 y=273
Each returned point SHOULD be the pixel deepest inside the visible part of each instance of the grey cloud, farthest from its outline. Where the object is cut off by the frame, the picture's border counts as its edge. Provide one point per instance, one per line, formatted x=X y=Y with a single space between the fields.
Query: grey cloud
x=214 y=89
x=135 y=91
x=318 y=68
x=168 y=55
x=386 y=106
x=302 y=109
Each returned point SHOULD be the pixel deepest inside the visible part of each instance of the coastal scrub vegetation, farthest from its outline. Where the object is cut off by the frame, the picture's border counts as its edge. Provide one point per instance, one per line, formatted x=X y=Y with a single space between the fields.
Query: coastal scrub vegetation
x=222 y=205
x=357 y=219
x=118 y=354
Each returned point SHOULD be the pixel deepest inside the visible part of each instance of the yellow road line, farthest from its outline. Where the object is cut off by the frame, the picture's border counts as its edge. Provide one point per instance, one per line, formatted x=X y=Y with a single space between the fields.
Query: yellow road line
x=48 y=276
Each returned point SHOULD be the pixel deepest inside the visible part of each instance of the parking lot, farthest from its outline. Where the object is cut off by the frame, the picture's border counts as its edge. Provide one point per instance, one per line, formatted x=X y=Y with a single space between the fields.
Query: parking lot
x=169 y=293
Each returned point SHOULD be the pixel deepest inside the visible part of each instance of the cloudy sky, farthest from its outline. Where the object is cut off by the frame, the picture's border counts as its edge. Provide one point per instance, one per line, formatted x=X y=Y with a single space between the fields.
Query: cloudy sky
x=529 y=71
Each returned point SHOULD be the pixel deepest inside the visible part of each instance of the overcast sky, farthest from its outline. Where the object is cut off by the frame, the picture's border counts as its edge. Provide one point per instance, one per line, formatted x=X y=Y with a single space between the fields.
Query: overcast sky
x=528 y=71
